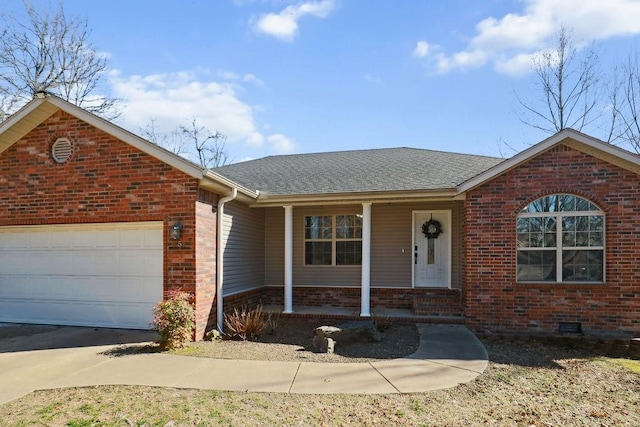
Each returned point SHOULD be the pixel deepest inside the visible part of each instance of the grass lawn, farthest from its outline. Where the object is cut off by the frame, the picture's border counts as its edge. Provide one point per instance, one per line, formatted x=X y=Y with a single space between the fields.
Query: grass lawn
x=526 y=384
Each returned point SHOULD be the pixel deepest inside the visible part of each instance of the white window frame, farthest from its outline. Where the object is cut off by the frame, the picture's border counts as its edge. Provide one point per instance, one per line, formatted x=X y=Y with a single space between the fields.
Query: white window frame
x=334 y=240
x=559 y=248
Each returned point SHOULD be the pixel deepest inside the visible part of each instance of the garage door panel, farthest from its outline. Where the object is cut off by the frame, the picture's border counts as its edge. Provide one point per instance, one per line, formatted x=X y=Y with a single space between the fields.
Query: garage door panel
x=24 y=287
x=152 y=239
x=107 y=239
x=38 y=240
x=92 y=274
x=37 y=261
x=131 y=239
x=152 y=262
x=84 y=239
x=61 y=262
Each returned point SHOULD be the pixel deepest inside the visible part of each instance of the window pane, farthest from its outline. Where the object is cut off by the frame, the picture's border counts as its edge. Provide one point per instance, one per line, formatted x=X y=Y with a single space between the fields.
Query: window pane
x=536 y=232
x=317 y=253
x=549 y=240
x=550 y=224
x=348 y=226
x=582 y=204
x=536 y=266
x=582 y=238
x=582 y=223
x=582 y=266
x=595 y=239
x=536 y=224
x=317 y=227
x=596 y=223
x=349 y=253
x=569 y=223
x=569 y=239
x=560 y=203
x=522 y=225
x=536 y=240
x=566 y=203
x=523 y=240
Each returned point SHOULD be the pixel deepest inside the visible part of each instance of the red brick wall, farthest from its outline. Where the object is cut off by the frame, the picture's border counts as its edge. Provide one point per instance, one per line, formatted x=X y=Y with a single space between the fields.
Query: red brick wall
x=317 y=296
x=493 y=299
x=105 y=180
x=205 y=263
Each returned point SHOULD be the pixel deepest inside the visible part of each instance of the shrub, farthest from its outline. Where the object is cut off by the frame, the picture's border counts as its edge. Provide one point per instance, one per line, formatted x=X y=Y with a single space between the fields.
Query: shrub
x=212 y=335
x=174 y=319
x=272 y=321
x=245 y=324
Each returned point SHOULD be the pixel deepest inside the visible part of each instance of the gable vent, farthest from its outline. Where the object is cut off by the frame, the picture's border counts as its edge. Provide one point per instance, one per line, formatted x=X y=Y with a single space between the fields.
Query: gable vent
x=61 y=150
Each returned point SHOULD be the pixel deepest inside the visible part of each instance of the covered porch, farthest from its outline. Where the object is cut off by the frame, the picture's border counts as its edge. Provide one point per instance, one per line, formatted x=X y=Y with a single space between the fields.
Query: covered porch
x=371 y=259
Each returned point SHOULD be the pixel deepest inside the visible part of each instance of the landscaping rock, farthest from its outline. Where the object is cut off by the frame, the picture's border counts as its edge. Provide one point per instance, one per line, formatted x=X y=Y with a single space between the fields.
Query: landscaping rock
x=323 y=344
x=360 y=330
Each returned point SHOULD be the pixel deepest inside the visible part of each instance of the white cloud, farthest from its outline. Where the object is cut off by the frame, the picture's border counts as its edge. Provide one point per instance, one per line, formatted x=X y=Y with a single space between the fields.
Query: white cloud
x=421 y=50
x=255 y=139
x=246 y=78
x=174 y=99
x=281 y=143
x=509 y=42
x=284 y=25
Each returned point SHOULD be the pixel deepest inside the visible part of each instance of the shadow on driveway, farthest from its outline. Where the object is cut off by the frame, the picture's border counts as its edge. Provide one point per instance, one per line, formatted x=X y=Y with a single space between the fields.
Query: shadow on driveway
x=22 y=337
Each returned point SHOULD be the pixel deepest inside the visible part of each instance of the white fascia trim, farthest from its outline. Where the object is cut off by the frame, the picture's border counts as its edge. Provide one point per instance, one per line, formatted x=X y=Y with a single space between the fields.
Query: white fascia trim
x=543 y=146
x=209 y=174
x=20 y=114
x=355 y=198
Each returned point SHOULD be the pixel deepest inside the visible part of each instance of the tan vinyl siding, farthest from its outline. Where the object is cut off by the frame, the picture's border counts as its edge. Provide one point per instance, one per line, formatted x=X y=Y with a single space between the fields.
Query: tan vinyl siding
x=244 y=239
x=274 y=246
x=391 y=232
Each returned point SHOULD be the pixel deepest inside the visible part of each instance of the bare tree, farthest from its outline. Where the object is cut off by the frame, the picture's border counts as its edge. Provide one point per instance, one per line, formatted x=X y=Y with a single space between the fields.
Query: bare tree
x=51 y=52
x=625 y=103
x=569 y=81
x=194 y=142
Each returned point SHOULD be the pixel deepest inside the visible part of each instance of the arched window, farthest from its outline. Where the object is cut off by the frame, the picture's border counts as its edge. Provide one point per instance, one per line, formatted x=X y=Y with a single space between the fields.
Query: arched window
x=560 y=239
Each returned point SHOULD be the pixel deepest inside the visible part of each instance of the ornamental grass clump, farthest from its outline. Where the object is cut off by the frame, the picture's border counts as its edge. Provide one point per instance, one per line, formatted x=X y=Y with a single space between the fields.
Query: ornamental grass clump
x=244 y=324
x=174 y=319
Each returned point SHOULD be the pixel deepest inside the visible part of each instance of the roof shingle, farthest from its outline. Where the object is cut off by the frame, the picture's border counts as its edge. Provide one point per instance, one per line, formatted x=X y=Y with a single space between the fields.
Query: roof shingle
x=388 y=169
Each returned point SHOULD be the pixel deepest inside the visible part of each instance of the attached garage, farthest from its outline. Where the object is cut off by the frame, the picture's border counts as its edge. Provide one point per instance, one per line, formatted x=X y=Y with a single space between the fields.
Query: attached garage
x=107 y=275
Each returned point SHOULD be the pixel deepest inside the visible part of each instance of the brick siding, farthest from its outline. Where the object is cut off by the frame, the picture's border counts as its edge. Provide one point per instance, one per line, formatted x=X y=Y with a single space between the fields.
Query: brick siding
x=107 y=180
x=495 y=302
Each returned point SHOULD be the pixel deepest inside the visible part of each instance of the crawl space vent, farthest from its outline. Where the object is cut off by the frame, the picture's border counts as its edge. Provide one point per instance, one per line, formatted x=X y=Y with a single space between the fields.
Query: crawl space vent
x=61 y=150
x=570 y=327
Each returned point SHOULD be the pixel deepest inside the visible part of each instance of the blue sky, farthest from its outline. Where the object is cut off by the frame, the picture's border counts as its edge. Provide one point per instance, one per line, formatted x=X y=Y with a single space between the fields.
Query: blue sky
x=280 y=76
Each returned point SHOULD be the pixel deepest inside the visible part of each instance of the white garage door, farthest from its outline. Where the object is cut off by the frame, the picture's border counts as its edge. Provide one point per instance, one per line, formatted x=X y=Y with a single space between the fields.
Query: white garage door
x=106 y=275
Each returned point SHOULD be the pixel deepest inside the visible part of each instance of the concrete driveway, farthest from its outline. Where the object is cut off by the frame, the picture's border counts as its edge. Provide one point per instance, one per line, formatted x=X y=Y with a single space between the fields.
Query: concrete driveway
x=36 y=357
x=46 y=357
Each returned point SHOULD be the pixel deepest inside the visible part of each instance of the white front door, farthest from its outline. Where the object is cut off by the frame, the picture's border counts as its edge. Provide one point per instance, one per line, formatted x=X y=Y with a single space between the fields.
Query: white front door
x=432 y=256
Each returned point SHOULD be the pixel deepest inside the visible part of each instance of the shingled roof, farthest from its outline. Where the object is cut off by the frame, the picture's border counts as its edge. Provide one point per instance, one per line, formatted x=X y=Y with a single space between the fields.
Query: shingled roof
x=384 y=170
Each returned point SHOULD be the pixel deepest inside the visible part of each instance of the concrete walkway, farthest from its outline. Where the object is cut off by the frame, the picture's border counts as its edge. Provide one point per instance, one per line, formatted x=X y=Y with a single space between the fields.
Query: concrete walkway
x=74 y=357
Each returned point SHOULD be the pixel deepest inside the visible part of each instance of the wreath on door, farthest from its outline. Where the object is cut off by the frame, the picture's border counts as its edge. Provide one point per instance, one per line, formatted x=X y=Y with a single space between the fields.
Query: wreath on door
x=432 y=228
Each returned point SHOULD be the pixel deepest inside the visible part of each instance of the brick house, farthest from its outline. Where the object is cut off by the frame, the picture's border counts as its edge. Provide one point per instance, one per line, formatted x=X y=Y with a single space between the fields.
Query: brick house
x=97 y=224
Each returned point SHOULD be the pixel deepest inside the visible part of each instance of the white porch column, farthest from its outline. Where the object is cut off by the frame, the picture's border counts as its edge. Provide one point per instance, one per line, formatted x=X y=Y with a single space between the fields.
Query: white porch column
x=288 y=259
x=366 y=261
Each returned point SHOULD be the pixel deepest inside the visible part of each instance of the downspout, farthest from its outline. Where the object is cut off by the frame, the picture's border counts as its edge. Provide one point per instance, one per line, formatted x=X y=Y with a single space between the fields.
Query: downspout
x=220 y=257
